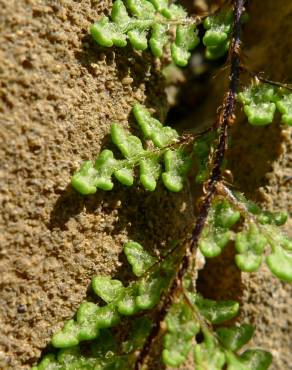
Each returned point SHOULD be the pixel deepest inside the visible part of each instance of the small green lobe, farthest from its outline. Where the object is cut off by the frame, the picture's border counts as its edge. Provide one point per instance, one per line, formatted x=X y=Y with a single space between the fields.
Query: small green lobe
x=250 y=245
x=138 y=258
x=216 y=311
x=185 y=41
x=106 y=288
x=218 y=33
x=235 y=337
x=284 y=106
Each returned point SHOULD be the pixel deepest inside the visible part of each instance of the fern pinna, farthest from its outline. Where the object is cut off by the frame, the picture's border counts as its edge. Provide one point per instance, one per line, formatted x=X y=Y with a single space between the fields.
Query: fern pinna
x=161 y=300
x=189 y=315
x=152 y=22
x=176 y=161
x=261 y=100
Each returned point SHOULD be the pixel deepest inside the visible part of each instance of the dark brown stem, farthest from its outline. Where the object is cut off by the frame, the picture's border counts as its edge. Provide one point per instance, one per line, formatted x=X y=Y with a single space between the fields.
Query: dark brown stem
x=225 y=120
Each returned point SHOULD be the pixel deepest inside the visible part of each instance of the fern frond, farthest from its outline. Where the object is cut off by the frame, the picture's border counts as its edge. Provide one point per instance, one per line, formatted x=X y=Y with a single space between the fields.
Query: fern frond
x=134 y=20
x=260 y=101
x=217 y=36
x=181 y=330
x=259 y=231
x=218 y=348
x=120 y=300
x=111 y=350
x=177 y=162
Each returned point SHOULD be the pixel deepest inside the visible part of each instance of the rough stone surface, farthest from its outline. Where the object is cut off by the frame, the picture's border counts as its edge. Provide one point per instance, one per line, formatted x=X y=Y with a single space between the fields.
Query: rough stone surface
x=59 y=94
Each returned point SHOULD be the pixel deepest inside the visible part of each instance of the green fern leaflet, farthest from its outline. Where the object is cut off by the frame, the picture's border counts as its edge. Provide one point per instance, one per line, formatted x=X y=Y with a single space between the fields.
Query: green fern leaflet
x=134 y=20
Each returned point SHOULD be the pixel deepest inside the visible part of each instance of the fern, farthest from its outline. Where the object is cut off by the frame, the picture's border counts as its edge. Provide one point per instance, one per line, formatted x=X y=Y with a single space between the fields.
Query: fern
x=259 y=230
x=190 y=320
x=139 y=295
x=183 y=322
x=148 y=16
x=261 y=100
x=177 y=162
x=217 y=36
x=218 y=349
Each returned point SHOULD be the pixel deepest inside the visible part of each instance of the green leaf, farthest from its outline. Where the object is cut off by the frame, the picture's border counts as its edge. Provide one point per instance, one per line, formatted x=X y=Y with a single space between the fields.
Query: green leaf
x=181 y=329
x=216 y=52
x=107 y=316
x=255 y=359
x=272 y=218
x=208 y=355
x=138 y=39
x=129 y=145
x=260 y=114
x=185 y=41
x=141 y=8
x=154 y=18
x=47 y=363
x=107 y=34
x=150 y=290
x=150 y=170
x=177 y=164
x=264 y=231
x=224 y=215
x=218 y=34
x=152 y=128
x=213 y=241
x=90 y=318
x=84 y=179
x=126 y=305
x=216 y=311
x=73 y=359
x=174 y=12
x=284 y=106
x=160 y=4
x=235 y=337
x=90 y=177
x=67 y=337
x=250 y=245
x=125 y=176
x=138 y=258
x=164 y=137
x=119 y=14
x=87 y=322
x=216 y=234
x=106 y=288
x=280 y=262
x=158 y=39
x=147 y=123
x=259 y=103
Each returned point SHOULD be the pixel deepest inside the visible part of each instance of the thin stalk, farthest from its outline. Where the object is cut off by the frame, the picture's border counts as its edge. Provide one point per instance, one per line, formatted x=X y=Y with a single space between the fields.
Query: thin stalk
x=265 y=80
